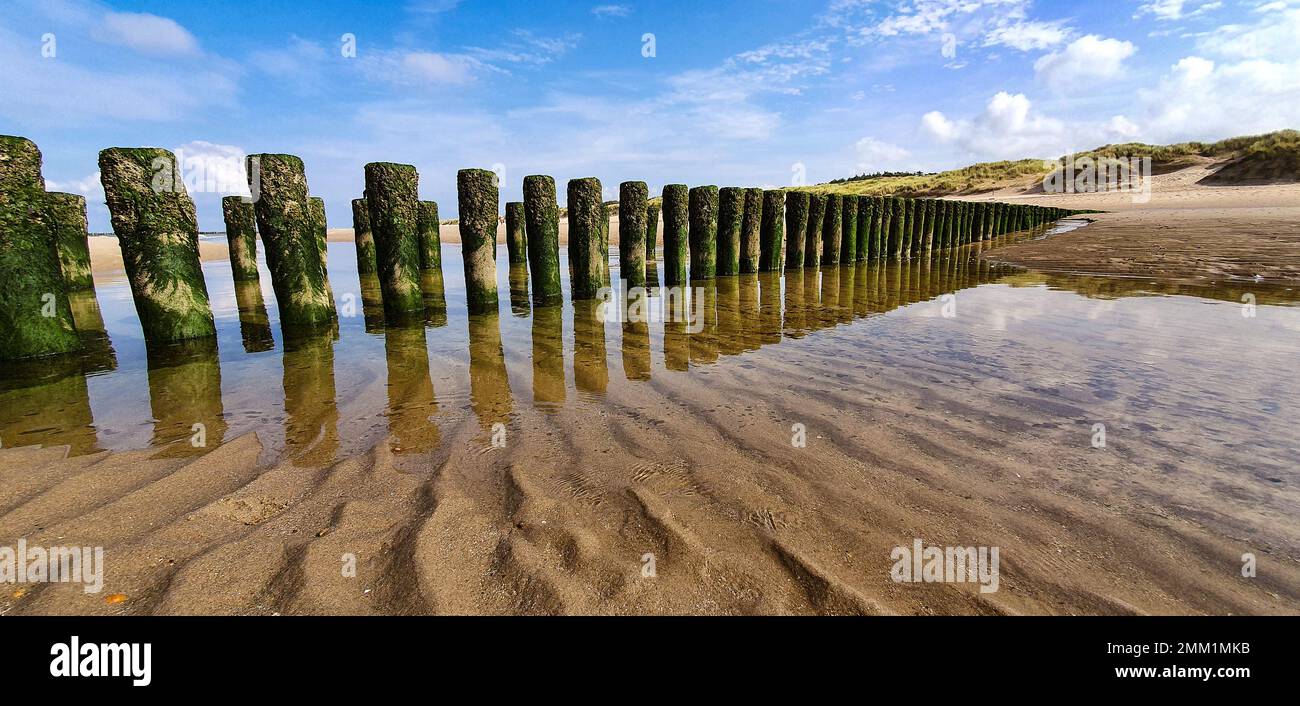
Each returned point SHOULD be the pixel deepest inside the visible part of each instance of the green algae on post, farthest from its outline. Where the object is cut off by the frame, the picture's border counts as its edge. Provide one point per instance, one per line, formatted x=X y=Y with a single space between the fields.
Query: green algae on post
x=241 y=237
x=29 y=266
x=771 y=240
x=831 y=225
x=676 y=234
x=796 y=224
x=68 y=215
x=516 y=237
x=542 y=226
x=751 y=231
x=703 y=205
x=322 y=240
x=156 y=227
x=632 y=198
x=651 y=232
x=586 y=231
x=289 y=240
x=430 y=234
x=364 y=239
x=477 y=197
x=849 y=229
x=812 y=248
x=731 y=221
x=866 y=212
x=393 y=195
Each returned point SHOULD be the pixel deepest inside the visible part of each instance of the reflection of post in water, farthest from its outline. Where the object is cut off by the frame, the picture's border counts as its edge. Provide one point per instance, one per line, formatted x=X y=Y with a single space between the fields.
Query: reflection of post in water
x=254 y=324
x=589 y=371
x=372 y=302
x=730 y=327
x=435 y=297
x=812 y=299
x=548 y=357
x=847 y=279
x=45 y=401
x=747 y=309
x=830 y=295
x=184 y=391
x=519 y=302
x=489 y=384
x=311 y=412
x=411 y=400
x=636 y=336
x=769 y=307
x=794 y=324
x=97 y=354
x=704 y=344
x=651 y=276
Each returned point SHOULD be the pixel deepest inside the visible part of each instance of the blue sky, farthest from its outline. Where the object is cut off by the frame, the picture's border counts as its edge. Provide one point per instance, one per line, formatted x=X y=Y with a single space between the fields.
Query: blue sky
x=760 y=92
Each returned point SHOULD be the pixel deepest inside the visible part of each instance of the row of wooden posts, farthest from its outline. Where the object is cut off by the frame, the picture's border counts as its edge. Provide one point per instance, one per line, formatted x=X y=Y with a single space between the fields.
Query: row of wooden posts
x=708 y=232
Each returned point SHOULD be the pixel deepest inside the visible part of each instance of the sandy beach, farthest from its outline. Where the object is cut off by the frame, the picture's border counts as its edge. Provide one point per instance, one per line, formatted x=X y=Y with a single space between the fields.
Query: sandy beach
x=106 y=254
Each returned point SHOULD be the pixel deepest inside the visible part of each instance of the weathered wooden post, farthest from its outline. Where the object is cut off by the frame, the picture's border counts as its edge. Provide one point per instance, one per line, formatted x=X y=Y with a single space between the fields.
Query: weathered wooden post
x=771 y=241
x=704 y=231
x=884 y=222
x=913 y=230
x=68 y=213
x=586 y=213
x=796 y=224
x=477 y=201
x=33 y=283
x=731 y=221
x=364 y=239
x=290 y=240
x=322 y=241
x=812 y=248
x=898 y=223
x=430 y=237
x=393 y=196
x=632 y=198
x=516 y=237
x=751 y=231
x=849 y=229
x=241 y=237
x=831 y=233
x=155 y=224
x=651 y=232
x=676 y=237
x=542 y=224
x=866 y=212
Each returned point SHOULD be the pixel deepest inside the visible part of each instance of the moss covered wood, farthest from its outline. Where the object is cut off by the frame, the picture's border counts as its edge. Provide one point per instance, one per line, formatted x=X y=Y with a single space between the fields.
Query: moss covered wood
x=771 y=245
x=849 y=229
x=812 y=249
x=322 y=241
x=796 y=224
x=586 y=213
x=32 y=280
x=731 y=221
x=68 y=219
x=516 y=234
x=866 y=211
x=632 y=199
x=478 y=201
x=703 y=206
x=364 y=239
x=430 y=237
x=153 y=218
x=241 y=237
x=289 y=240
x=542 y=224
x=751 y=231
x=651 y=232
x=393 y=195
x=831 y=229
x=676 y=210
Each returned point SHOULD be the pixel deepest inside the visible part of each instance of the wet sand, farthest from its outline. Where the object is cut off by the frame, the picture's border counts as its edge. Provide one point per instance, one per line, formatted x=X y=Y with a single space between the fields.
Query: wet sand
x=106 y=254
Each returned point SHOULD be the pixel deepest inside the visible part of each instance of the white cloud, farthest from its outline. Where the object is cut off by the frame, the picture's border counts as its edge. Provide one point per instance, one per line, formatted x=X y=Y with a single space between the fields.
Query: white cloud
x=875 y=155
x=422 y=68
x=1010 y=128
x=1087 y=59
x=1274 y=38
x=1171 y=10
x=147 y=34
x=611 y=10
x=1201 y=99
x=1028 y=35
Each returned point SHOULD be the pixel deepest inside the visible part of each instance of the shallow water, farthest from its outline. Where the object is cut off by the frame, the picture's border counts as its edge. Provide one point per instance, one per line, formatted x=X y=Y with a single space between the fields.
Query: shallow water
x=1195 y=371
